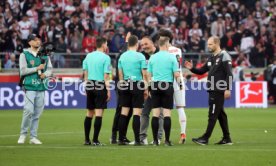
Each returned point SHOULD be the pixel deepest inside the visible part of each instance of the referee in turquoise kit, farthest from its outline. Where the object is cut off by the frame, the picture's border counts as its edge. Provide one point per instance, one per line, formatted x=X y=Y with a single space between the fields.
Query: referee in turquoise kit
x=97 y=68
x=132 y=76
x=162 y=69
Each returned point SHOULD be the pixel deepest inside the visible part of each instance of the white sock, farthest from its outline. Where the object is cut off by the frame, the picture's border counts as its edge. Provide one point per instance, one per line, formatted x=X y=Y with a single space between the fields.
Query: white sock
x=182 y=120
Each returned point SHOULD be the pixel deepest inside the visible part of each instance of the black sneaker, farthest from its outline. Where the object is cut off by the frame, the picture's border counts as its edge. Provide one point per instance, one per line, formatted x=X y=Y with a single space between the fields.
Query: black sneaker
x=138 y=143
x=127 y=140
x=168 y=143
x=113 y=141
x=200 y=141
x=87 y=143
x=97 y=144
x=122 y=143
x=225 y=141
x=155 y=143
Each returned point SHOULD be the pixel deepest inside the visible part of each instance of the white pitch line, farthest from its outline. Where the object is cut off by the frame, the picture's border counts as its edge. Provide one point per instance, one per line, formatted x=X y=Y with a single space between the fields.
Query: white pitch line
x=135 y=148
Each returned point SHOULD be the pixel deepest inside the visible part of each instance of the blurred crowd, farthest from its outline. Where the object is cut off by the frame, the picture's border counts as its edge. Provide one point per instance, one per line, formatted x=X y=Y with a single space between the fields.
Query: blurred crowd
x=246 y=27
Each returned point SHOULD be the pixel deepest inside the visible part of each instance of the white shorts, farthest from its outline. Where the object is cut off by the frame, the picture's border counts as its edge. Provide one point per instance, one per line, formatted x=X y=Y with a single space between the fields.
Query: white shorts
x=179 y=95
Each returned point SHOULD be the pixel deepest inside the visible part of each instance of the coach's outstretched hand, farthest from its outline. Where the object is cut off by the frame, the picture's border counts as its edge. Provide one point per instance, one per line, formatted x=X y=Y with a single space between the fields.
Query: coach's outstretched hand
x=189 y=65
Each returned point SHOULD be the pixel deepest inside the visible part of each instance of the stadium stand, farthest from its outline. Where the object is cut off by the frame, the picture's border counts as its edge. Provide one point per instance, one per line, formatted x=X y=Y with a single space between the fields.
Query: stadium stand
x=246 y=27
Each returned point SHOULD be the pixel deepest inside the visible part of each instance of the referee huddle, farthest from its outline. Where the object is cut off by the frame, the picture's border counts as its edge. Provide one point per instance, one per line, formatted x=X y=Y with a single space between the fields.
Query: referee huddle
x=138 y=80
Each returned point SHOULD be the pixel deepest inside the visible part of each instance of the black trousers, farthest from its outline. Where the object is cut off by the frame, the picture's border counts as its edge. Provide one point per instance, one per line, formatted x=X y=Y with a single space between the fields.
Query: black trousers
x=216 y=111
x=274 y=93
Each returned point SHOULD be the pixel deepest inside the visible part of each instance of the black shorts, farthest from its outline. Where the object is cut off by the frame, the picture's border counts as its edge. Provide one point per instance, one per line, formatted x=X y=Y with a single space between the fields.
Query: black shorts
x=162 y=95
x=96 y=95
x=132 y=94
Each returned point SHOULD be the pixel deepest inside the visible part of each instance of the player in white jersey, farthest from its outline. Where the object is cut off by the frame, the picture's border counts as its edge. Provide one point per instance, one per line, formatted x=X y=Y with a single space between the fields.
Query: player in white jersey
x=179 y=89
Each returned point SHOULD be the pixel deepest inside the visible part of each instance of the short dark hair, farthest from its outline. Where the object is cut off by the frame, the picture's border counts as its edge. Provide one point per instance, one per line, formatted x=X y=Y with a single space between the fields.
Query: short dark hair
x=165 y=33
x=132 y=40
x=100 y=41
x=163 y=40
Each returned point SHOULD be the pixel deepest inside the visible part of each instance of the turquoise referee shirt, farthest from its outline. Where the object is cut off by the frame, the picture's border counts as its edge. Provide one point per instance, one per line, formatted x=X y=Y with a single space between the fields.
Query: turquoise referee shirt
x=162 y=66
x=97 y=64
x=132 y=63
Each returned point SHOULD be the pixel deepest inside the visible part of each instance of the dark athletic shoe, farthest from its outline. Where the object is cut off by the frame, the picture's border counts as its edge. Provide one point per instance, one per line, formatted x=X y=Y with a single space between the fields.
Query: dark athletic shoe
x=127 y=140
x=113 y=141
x=168 y=143
x=122 y=143
x=155 y=143
x=87 y=143
x=138 y=143
x=225 y=141
x=200 y=141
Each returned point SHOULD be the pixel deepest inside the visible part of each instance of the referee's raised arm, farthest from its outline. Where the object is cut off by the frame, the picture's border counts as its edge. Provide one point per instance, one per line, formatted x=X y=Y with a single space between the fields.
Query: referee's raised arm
x=124 y=49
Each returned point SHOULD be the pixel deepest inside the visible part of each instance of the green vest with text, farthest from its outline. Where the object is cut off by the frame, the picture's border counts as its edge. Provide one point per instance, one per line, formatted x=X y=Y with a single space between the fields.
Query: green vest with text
x=32 y=81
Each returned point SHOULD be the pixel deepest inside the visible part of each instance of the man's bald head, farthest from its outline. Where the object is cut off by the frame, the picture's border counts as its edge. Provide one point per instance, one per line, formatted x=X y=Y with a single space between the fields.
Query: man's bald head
x=213 y=43
x=215 y=40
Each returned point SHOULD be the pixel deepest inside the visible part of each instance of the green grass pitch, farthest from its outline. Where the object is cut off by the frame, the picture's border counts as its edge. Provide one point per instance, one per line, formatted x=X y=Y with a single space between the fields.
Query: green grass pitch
x=61 y=132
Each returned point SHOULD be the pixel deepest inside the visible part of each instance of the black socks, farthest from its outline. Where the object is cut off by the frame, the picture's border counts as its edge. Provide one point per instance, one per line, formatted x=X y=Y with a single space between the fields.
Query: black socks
x=97 y=128
x=167 y=127
x=155 y=126
x=122 y=127
x=136 y=127
x=87 y=128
